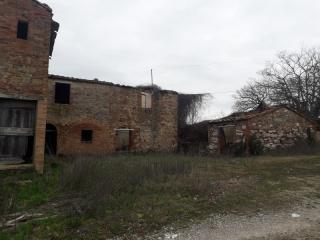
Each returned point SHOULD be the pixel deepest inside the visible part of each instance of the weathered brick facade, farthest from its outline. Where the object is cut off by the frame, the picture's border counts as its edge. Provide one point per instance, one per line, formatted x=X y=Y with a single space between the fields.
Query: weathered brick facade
x=104 y=107
x=275 y=127
x=100 y=116
x=24 y=63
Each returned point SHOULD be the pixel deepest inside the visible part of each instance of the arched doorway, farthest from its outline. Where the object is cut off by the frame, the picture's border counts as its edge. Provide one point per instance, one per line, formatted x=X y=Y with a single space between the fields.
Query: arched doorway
x=51 y=140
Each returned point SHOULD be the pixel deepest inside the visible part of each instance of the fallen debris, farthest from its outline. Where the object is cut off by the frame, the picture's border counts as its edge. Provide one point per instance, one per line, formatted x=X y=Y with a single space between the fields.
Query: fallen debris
x=295 y=215
x=21 y=219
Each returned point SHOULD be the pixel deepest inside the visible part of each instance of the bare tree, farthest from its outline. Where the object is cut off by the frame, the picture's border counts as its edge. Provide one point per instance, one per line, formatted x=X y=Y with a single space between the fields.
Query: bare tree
x=250 y=96
x=293 y=79
x=190 y=106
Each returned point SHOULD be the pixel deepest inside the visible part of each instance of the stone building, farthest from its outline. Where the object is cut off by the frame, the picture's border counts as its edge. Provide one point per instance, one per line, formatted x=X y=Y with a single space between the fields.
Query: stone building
x=63 y=115
x=101 y=117
x=273 y=127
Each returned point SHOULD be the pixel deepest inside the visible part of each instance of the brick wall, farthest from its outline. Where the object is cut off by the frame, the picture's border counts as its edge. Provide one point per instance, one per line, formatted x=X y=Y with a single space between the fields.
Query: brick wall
x=24 y=63
x=105 y=107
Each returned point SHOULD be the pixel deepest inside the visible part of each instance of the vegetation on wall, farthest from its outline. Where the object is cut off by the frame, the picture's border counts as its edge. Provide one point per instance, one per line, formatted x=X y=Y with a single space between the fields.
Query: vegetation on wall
x=190 y=106
x=193 y=136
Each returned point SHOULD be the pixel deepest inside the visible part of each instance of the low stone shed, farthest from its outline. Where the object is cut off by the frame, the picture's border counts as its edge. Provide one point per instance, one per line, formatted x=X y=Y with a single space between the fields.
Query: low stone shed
x=276 y=127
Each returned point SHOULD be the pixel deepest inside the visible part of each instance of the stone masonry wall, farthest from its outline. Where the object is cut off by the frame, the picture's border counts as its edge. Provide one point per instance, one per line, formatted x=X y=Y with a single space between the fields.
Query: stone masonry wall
x=213 y=139
x=104 y=108
x=281 y=128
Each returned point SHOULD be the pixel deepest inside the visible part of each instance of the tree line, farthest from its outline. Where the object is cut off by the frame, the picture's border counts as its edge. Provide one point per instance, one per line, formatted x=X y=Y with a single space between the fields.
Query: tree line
x=292 y=79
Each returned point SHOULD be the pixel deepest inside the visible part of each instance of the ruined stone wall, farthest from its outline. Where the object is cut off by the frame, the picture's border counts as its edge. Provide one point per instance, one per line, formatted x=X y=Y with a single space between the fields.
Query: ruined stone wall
x=281 y=128
x=213 y=135
x=213 y=139
x=104 y=108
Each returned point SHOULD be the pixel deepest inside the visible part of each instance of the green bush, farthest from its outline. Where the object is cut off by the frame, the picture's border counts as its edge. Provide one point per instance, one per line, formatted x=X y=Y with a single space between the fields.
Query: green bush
x=255 y=146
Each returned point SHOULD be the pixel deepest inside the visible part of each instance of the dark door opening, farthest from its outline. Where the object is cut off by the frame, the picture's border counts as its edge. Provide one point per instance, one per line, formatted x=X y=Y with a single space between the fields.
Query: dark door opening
x=222 y=140
x=51 y=140
x=29 y=150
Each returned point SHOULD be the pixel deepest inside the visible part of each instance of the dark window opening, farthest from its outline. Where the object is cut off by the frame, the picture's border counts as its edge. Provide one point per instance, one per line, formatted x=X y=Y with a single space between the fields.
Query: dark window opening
x=62 y=93
x=22 y=31
x=86 y=136
x=51 y=140
x=29 y=151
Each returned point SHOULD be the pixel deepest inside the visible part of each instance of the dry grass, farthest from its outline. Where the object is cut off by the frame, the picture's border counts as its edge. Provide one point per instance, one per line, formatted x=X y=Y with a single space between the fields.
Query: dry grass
x=118 y=195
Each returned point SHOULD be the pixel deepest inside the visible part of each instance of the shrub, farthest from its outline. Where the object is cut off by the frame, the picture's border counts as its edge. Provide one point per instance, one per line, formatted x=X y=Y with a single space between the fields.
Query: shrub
x=238 y=149
x=255 y=146
x=301 y=146
x=311 y=139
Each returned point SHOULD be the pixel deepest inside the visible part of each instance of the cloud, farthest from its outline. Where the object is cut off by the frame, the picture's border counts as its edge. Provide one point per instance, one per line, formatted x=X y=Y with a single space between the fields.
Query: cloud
x=193 y=46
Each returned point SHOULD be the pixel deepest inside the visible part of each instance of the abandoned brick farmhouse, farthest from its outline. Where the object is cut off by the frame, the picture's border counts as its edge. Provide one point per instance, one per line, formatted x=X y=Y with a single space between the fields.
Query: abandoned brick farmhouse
x=270 y=128
x=60 y=115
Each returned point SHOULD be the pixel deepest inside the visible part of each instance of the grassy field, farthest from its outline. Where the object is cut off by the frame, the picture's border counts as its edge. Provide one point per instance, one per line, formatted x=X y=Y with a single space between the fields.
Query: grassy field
x=101 y=197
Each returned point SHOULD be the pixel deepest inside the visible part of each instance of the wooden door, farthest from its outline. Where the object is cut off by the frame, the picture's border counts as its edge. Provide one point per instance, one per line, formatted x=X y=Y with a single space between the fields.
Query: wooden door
x=17 y=122
x=123 y=140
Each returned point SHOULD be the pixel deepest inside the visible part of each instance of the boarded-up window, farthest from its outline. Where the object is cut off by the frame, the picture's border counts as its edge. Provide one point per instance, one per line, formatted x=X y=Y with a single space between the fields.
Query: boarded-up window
x=22 y=30
x=123 y=139
x=62 y=93
x=230 y=134
x=146 y=100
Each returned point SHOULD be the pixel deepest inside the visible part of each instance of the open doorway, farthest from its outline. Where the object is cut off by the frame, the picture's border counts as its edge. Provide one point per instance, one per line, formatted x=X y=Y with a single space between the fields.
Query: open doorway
x=226 y=136
x=51 y=140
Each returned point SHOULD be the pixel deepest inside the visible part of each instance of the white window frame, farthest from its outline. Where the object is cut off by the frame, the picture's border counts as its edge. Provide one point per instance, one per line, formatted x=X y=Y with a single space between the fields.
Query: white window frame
x=146 y=100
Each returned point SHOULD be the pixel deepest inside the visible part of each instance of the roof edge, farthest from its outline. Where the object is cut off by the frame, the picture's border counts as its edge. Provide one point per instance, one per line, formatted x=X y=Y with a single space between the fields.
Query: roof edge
x=95 y=81
x=45 y=6
x=273 y=109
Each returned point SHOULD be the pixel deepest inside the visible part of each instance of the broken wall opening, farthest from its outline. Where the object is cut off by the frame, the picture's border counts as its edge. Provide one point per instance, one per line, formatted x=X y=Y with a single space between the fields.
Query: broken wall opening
x=226 y=137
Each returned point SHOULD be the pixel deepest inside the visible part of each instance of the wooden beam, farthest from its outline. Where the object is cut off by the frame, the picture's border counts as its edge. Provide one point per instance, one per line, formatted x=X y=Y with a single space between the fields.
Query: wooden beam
x=8 y=131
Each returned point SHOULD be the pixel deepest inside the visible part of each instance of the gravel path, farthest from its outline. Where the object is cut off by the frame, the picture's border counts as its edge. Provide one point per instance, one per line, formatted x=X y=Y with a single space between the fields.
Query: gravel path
x=300 y=222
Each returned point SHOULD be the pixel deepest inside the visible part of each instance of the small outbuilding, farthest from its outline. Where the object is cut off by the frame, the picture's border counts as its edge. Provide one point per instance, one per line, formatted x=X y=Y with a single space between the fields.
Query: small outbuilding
x=263 y=129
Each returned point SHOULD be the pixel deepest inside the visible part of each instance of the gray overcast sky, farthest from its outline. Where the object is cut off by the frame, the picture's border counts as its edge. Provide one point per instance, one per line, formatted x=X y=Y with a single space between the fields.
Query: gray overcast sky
x=194 y=46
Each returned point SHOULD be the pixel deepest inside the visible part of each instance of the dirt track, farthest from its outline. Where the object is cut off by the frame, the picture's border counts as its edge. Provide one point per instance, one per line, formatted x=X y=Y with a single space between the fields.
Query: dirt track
x=274 y=225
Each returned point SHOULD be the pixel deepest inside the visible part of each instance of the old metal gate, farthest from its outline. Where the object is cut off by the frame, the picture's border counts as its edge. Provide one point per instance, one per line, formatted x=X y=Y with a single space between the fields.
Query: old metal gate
x=17 y=123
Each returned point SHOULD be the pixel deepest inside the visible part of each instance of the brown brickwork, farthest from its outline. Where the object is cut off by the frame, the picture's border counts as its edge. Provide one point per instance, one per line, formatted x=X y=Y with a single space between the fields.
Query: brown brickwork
x=41 y=117
x=97 y=106
x=277 y=127
x=103 y=108
x=24 y=63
